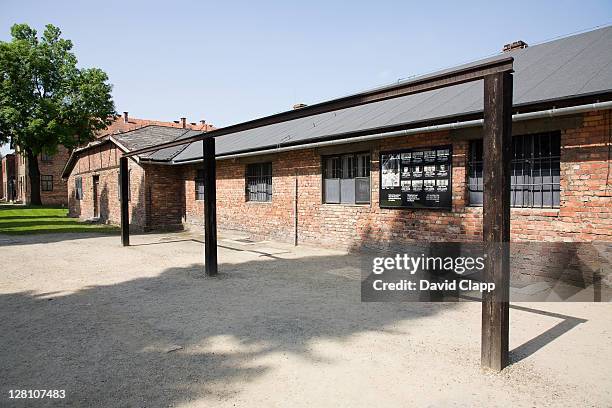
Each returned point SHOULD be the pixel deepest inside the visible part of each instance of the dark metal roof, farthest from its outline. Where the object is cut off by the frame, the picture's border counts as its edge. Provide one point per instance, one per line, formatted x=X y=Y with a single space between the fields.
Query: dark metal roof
x=152 y=135
x=146 y=136
x=570 y=67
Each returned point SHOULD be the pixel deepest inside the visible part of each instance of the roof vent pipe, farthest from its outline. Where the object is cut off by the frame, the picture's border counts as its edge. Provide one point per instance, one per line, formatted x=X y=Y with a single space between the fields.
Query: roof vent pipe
x=125 y=117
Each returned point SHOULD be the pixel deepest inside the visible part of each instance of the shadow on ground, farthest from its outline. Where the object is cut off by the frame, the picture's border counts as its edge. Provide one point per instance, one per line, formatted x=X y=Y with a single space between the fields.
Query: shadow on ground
x=114 y=345
x=531 y=346
x=176 y=337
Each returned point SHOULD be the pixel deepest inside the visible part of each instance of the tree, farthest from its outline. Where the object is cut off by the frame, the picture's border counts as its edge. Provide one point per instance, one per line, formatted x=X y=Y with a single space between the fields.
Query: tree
x=45 y=99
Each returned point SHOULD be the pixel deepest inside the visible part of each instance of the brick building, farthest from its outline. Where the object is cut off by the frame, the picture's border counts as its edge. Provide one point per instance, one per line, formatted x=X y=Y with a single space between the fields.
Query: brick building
x=93 y=171
x=54 y=190
x=319 y=180
x=7 y=178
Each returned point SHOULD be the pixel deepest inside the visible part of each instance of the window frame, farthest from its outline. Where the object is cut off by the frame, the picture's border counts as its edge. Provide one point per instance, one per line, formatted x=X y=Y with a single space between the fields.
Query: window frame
x=340 y=172
x=528 y=163
x=78 y=188
x=46 y=182
x=259 y=177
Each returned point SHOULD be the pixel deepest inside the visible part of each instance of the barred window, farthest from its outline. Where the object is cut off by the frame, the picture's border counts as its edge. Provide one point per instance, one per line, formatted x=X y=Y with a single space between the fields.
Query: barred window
x=199 y=185
x=78 y=188
x=535 y=179
x=46 y=183
x=259 y=182
x=346 y=179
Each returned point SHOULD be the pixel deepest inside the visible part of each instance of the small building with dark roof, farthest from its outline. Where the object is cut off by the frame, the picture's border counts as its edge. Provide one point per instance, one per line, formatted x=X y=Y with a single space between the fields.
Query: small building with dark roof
x=155 y=191
x=53 y=187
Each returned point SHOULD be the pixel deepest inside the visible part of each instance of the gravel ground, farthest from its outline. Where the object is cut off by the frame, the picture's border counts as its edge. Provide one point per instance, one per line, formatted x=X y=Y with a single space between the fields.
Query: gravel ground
x=281 y=326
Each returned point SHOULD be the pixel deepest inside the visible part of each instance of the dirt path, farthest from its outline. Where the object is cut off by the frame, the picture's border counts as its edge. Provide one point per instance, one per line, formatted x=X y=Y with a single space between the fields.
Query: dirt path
x=139 y=326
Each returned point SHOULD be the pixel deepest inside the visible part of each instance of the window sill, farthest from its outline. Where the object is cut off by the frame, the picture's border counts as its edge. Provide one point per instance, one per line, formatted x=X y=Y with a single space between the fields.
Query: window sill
x=258 y=202
x=553 y=212
x=346 y=205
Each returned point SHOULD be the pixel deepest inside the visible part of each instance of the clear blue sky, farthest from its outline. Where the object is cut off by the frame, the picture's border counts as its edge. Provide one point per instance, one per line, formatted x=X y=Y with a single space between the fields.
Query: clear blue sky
x=229 y=61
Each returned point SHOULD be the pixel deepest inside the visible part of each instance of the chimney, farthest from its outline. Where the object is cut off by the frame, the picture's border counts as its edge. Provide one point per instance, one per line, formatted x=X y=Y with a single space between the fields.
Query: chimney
x=183 y=123
x=299 y=106
x=517 y=45
x=125 y=117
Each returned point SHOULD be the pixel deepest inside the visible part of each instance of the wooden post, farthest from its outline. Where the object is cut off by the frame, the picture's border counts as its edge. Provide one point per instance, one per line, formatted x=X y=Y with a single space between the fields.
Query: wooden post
x=210 y=208
x=125 y=190
x=497 y=152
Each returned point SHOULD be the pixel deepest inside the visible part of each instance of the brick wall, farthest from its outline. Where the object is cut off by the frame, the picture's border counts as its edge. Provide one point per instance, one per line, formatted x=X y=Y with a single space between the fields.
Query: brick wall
x=156 y=192
x=585 y=212
x=103 y=162
x=164 y=195
x=333 y=225
x=264 y=219
x=54 y=168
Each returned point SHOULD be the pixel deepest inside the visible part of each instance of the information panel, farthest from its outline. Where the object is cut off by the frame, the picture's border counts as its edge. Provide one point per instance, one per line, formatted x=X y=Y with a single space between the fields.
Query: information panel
x=416 y=178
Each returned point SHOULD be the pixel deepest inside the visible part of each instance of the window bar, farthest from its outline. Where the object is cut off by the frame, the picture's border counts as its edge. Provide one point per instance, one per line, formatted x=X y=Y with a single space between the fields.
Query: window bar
x=539 y=168
x=542 y=174
x=550 y=172
x=529 y=180
x=525 y=189
x=521 y=141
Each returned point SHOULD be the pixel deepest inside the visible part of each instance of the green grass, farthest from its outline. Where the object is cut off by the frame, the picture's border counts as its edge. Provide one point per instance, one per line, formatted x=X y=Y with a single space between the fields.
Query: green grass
x=16 y=220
